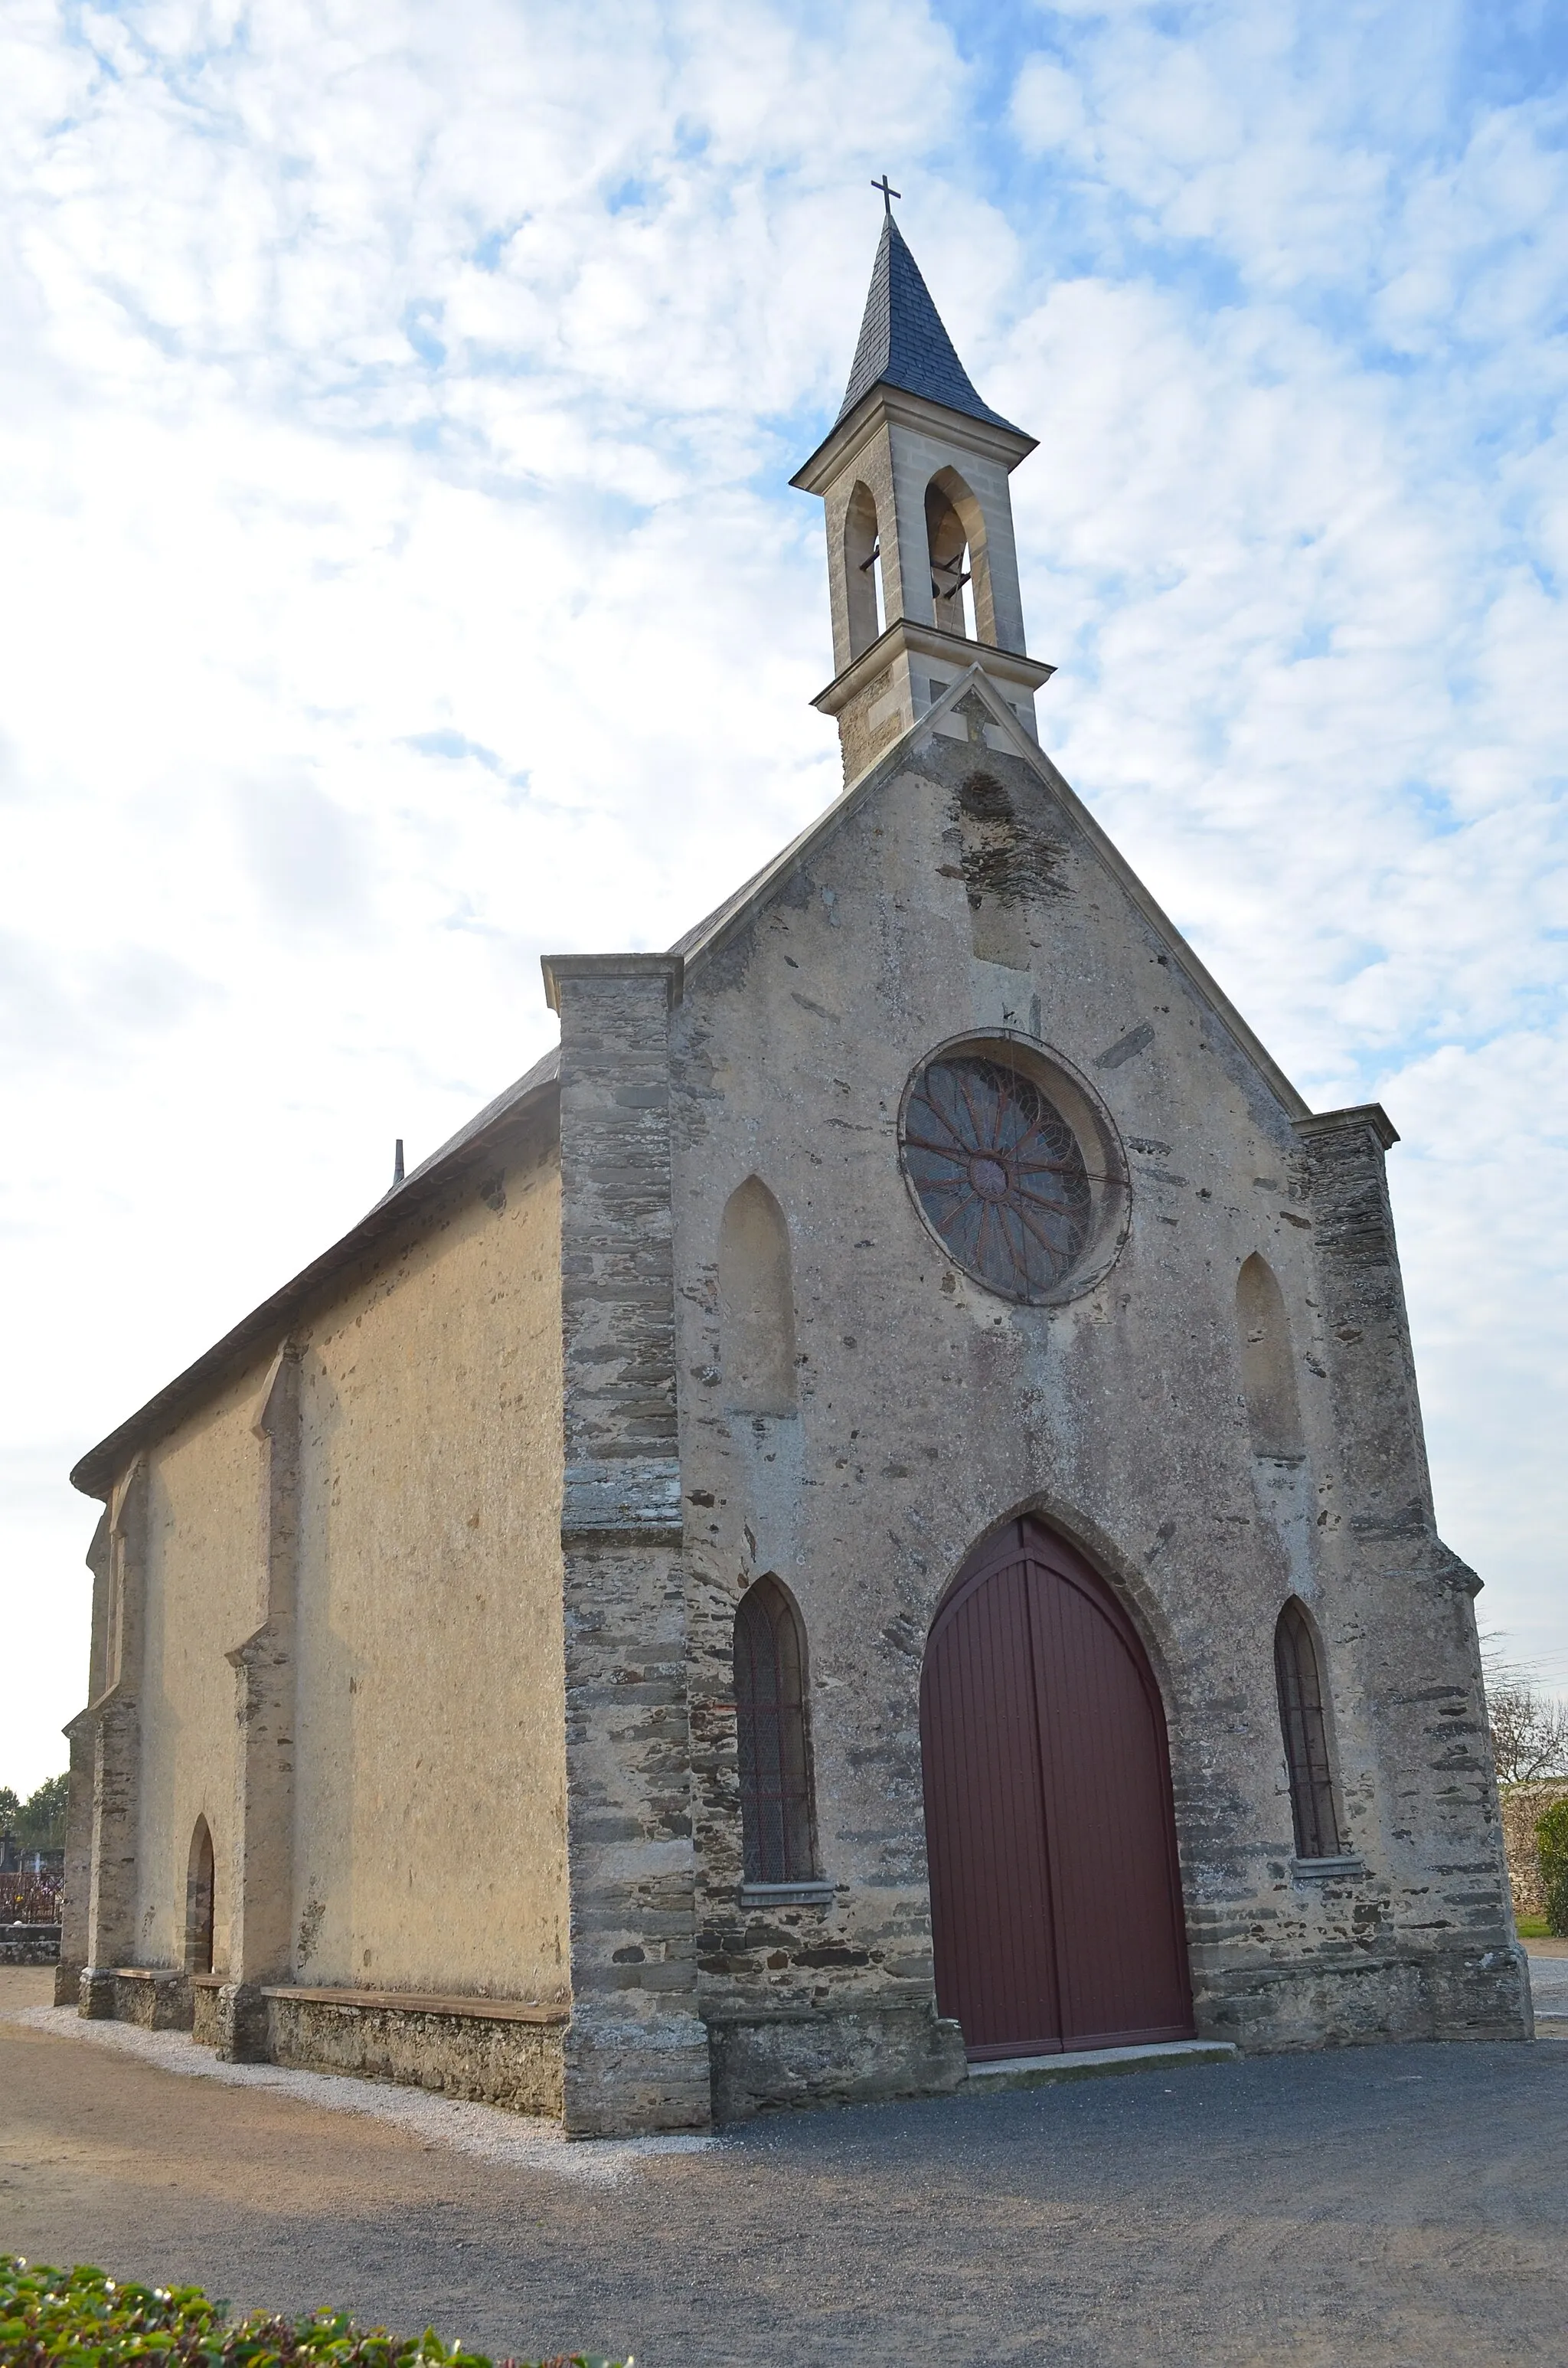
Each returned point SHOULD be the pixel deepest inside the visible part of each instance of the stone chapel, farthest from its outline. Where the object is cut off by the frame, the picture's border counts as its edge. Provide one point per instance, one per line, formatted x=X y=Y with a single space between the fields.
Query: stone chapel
x=866 y=1518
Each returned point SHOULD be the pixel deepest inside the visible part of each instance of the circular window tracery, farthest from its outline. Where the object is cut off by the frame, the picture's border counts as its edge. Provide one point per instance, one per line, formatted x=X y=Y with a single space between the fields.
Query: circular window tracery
x=999 y=1174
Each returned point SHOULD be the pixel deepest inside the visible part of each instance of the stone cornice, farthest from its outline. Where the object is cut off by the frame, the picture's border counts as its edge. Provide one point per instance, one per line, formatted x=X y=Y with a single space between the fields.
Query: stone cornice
x=929 y=642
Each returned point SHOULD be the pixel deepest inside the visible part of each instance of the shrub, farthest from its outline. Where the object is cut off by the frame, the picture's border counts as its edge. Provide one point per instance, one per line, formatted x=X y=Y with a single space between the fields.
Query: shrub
x=1551 y=1841
x=83 y=2318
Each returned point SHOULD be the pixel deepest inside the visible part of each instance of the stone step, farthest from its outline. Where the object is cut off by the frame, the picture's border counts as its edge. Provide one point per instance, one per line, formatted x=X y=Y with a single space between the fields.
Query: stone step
x=1098 y=2063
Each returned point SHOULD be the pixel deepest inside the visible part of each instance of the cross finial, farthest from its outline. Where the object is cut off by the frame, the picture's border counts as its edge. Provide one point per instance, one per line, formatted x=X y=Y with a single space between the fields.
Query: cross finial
x=888 y=195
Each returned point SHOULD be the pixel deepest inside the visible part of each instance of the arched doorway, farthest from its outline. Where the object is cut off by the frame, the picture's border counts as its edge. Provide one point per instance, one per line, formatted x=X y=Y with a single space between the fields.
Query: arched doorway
x=1055 y=1894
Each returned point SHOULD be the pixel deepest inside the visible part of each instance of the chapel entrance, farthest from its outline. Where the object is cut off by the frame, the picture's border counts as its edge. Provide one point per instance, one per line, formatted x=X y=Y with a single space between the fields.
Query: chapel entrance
x=1055 y=1895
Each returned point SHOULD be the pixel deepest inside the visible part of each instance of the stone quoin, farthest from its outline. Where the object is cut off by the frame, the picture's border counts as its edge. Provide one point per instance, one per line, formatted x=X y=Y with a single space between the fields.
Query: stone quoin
x=869 y=1513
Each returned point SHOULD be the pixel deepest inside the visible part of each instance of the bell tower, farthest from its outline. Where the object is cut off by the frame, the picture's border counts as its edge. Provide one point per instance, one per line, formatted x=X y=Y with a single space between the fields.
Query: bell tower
x=922 y=567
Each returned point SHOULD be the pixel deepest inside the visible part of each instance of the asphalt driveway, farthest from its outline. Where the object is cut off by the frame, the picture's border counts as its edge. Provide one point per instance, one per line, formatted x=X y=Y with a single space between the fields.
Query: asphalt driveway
x=1383 y=2206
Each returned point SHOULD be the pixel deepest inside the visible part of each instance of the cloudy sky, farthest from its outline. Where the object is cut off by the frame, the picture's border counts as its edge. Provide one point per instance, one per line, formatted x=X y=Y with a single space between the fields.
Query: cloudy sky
x=397 y=401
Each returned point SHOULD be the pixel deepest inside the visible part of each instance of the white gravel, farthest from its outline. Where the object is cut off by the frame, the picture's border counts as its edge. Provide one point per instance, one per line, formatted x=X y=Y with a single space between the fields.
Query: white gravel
x=485 y=2131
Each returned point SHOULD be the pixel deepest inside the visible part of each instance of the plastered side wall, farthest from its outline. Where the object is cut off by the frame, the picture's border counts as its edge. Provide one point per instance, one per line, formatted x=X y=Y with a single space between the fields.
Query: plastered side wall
x=430 y=1783
x=204 y=1579
x=928 y=1410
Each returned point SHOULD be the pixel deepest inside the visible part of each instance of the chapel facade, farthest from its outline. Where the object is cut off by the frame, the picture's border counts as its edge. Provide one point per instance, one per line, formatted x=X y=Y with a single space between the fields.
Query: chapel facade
x=869 y=1517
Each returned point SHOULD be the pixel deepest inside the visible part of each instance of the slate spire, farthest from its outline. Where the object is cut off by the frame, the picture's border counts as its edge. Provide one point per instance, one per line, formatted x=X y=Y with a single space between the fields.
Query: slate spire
x=903 y=341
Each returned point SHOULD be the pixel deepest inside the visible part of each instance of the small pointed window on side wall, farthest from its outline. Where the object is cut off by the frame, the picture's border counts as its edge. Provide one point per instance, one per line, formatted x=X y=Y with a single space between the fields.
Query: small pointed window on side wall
x=1306 y=1735
x=757 y=1302
x=770 y=1727
x=1269 y=1372
x=198 y=1889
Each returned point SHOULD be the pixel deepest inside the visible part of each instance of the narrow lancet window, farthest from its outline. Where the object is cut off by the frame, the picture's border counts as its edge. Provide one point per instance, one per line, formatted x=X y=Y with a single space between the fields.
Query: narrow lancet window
x=863 y=571
x=1306 y=1735
x=198 y=1886
x=757 y=1302
x=1269 y=1372
x=956 y=543
x=770 y=1727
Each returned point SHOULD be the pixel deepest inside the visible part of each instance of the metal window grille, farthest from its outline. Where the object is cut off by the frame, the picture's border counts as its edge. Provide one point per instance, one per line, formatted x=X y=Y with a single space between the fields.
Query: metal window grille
x=770 y=1724
x=1306 y=1737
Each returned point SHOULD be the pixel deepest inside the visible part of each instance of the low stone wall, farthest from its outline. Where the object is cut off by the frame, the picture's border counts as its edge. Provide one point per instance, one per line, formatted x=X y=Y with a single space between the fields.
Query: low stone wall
x=155 y=1997
x=205 y=2027
x=845 y=2057
x=1522 y=1804
x=1458 y=1993
x=29 y=1944
x=494 y=2051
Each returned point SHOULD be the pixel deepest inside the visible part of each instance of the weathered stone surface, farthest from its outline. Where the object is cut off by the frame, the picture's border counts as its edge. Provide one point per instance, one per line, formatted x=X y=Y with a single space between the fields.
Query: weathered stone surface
x=119 y=1642
x=929 y=1411
x=38 y=1945
x=204 y=2008
x=1430 y=1994
x=636 y=2055
x=491 y=2060
x=845 y=2057
x=241 y=2024
x=155 y=1997
x=260 y=1921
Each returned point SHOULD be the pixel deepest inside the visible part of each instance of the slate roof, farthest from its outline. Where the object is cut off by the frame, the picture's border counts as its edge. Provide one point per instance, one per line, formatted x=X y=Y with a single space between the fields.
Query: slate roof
x=902 y=342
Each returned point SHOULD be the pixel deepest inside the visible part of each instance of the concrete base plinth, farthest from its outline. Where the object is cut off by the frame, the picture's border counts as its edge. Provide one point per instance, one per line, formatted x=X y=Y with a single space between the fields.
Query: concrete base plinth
x=1096 y=2063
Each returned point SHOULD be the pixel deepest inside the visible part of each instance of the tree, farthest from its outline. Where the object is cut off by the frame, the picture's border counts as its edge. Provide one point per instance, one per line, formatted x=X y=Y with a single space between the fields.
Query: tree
x=40 y=1823
x=1551 y=1841
x=1530 y=1733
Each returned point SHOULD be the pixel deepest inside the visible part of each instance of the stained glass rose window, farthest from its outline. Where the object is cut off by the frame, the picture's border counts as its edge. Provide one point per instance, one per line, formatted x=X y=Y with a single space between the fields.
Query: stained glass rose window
x=999 y=1174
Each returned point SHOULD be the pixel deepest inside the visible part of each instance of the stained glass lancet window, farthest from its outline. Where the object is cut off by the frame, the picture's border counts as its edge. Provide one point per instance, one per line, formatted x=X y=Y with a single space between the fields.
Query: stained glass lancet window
x=770 y=1720
x=999 y=1174
x=1306 y=1735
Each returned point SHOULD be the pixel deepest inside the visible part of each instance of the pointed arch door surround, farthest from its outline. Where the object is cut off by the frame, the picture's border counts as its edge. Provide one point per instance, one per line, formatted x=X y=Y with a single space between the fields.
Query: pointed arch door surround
x=1056 y=1903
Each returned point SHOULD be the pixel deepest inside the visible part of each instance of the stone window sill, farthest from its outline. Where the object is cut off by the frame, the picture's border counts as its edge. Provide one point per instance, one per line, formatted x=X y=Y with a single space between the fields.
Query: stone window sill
x=785 y=1895
x=1327 y=1870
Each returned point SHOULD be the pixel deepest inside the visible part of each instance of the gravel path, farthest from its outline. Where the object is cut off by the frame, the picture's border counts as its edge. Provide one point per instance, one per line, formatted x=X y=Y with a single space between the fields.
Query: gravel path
x=1396 y=2207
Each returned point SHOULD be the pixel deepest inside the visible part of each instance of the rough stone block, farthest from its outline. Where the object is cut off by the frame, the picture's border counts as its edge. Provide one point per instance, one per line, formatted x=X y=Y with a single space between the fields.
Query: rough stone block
x=840 y=2058
x=492 y=2061
x=154 y=2001
x=95 y=1994
x=241 y=2024
x=636 y=2077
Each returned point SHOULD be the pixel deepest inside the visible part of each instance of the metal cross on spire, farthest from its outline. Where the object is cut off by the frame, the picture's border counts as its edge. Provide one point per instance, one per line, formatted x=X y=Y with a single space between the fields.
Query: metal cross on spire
x=888 y=195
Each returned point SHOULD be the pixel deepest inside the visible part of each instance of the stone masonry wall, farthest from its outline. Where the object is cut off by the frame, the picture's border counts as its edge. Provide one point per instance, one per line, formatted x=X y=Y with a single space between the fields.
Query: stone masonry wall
x=636 y=2053
x=331 y=1626
x=930 y=1410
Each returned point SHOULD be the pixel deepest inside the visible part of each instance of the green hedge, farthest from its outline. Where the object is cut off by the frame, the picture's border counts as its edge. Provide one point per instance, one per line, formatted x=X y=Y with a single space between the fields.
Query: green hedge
x=1551 y=1841
x=84 y=2318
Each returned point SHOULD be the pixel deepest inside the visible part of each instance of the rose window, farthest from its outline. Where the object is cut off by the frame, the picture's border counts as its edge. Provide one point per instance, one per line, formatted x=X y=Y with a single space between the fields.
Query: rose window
x=998 y=1172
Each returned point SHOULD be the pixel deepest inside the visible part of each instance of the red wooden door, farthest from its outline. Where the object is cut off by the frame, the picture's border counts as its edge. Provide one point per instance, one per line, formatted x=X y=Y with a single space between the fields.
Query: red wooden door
x=1055 y=1895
